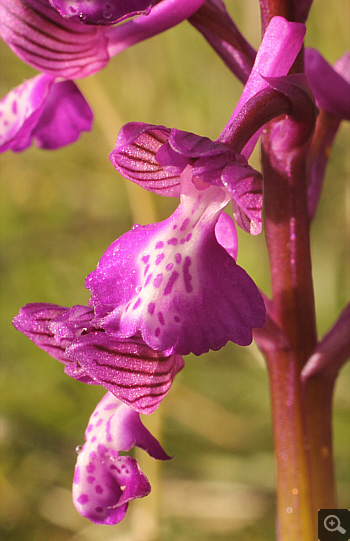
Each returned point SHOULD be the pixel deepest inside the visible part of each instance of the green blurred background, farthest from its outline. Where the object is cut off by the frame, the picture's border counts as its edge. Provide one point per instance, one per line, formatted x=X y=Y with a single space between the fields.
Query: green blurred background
x=59 y=212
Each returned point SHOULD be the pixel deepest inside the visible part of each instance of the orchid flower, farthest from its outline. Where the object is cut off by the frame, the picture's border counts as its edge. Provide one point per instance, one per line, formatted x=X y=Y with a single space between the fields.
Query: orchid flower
x=129 y=369
x=104 y=482
x=48 y=109
x=173 y=282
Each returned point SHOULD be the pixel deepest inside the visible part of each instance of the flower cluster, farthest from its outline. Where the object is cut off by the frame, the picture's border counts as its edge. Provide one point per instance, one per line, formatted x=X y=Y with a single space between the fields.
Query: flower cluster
x=167 y=289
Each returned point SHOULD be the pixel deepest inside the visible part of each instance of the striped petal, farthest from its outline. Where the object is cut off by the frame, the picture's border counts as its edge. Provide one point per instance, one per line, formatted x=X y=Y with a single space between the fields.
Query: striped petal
x=41 y=37
x=37 y=322
x=34 y=320
x=135 y=157
x=133 y=372
x=104 y=482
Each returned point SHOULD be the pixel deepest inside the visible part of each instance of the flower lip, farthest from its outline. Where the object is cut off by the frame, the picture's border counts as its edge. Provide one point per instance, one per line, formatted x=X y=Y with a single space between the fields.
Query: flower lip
x=104 y=482
x=175 y=284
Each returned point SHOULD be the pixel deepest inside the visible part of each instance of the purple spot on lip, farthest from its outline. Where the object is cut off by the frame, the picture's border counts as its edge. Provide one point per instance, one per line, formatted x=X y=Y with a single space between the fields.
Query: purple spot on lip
x=151 y=307
x=158 y=280
x=101 y=449
x=169 y=266
x=137 y=303
x=159 y=258
x=173 y=241
x=189 y=236
x=161 y=318
x=109 y=407
x=91 y=479
x=175 y=226
x=148 y=279
x=99 y=422
x=157 y=333
x=14 y=107
x=185 y=224
x=146 y=270
x=187 y=275
x=145 y=258
x=177 y=319
x=90 y=468
x=98 y=509
x=83 y=498
x=159 y=244
x=98 y=489
x=178 y=258
x=182 y=241
x=168 y=288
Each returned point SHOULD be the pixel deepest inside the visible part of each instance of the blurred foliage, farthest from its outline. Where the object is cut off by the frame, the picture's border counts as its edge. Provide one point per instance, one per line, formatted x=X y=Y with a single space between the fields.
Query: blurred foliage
x=59 y=212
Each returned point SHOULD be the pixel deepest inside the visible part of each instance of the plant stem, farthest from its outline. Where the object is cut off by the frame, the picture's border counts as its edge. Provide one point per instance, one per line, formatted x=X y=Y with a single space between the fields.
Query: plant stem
x=287 y=234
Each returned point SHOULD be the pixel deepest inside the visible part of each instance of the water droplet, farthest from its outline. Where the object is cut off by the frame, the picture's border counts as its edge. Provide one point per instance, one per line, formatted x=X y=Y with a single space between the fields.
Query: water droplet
x=289 y=509
x=78 y=449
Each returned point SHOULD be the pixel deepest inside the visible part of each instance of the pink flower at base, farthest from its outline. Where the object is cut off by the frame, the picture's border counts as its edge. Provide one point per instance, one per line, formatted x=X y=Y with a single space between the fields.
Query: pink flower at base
x=104 y=482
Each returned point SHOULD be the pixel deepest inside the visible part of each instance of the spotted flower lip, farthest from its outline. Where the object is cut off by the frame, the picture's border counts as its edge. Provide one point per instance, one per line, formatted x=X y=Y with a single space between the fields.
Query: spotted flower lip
x=104 y=482
x=103 y=12
x=51 y=112
x=38 y=34
x=173 y=282
x=129 y=369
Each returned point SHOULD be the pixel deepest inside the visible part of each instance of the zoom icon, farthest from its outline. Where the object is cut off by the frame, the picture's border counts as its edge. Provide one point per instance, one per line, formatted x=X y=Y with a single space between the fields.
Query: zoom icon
x=334 y=524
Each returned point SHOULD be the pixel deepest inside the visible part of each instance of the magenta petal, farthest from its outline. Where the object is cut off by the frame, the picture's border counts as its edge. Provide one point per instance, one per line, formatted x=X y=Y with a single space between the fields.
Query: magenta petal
x=41 y=110
x=280 y=46
x=134 y=156
x=41 y=37
x=101 y=11
x=247 y=196
x=226 y=234
x=105 y=482
x=65 y=116
x=20 y=112
x=193 y=145
x=71 y=324
x=175 y=284
x=134 y=373
x=331 y=87
x=34 y=320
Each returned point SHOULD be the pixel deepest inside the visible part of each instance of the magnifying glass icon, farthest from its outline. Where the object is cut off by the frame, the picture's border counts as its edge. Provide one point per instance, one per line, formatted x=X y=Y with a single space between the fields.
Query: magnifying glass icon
x=332 y=524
